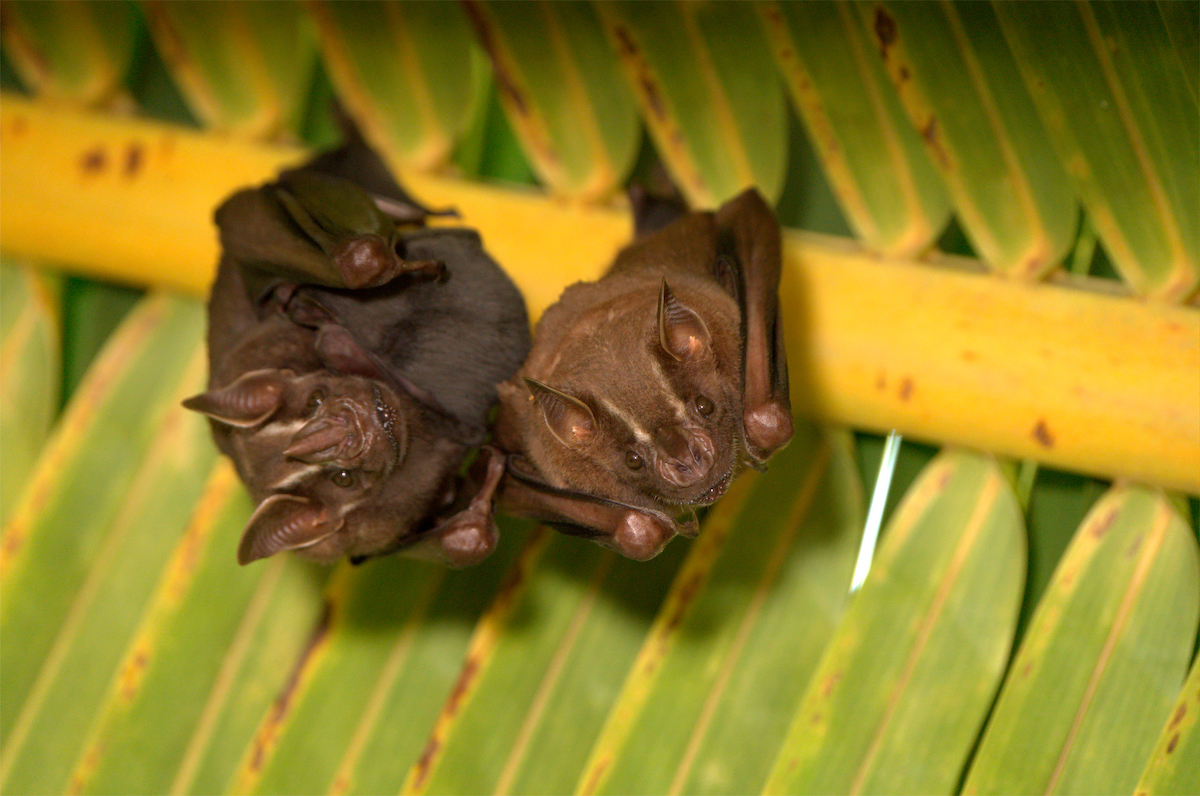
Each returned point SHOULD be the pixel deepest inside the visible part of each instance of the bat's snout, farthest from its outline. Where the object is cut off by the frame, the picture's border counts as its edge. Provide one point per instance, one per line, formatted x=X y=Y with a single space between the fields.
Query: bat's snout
x=685 y=457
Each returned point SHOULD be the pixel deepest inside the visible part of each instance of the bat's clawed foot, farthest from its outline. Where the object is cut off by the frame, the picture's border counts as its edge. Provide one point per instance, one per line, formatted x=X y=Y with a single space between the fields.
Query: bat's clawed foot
x=370 y=260
x=470 y=536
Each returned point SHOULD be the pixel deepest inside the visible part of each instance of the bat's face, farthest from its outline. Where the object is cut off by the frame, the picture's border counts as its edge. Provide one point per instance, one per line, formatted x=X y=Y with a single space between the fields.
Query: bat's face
x=646 y=407
x=322 y=455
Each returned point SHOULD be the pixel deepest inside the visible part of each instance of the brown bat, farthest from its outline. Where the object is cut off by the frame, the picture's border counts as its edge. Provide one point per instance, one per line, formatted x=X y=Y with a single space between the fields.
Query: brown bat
x=354 y=358
x=647 y=391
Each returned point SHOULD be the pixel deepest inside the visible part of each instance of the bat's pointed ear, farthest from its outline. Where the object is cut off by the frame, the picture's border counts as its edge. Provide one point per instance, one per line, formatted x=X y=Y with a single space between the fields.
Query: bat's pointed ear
x=681 y=332
x=569 y=419
x=284 y=522
x=245 y=403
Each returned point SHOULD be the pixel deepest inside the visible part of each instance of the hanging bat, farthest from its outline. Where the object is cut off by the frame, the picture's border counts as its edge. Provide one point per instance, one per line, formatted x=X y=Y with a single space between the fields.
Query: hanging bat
x=354 y=358
x=647 y=390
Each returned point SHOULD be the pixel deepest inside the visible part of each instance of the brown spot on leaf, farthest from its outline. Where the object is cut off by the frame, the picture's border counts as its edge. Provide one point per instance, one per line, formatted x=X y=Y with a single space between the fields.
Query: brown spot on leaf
x=1101 y=528
x=462 y=685
x=18 y=126
x=597 y=773
x=1180 y=712
x=93 y=161
x=885 y=30
x=131 y=675
x=904 y=75
x=424 y=762
x=687 y=594
x=1041 y=433
x=134 y=156
x=265 y=737
x=1171 y=743
x=970 y=356
x=881 y=381
x=929 y=132
x=906 y=388
x=1133 y=548
x=506 y=82
x=830 y=683
x=628 y=49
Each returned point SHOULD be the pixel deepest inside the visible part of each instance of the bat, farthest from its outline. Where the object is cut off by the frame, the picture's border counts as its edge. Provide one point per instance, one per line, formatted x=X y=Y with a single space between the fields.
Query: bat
x=354 y=357
x=646 y=391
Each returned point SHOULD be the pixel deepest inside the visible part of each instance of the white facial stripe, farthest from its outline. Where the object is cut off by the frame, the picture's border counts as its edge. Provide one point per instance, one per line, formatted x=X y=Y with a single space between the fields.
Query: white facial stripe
x=279 y=428
x=292 y=480
x=630 y=423
x=681 y=412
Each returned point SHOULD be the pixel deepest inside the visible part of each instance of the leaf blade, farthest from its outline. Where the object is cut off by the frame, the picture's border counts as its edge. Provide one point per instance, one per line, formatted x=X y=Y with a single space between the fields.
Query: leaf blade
x=944 y=591
x=1124 y=599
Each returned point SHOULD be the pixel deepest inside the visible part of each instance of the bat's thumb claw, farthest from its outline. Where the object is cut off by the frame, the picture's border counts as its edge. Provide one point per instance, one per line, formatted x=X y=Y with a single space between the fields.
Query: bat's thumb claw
x=768 y=428
x=468 y=541
x=641 y=536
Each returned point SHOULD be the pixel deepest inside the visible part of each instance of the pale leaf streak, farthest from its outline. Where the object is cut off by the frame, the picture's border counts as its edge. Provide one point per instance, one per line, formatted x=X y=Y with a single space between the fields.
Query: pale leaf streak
x=1128 y=118
x=378 y=697
x=902 y=171
x=72 y=428
x=718 y=98
x=689 y=580
x=166 y=442
x=1154 y=541
x=800 y=507
x=967 y=543
x=436 y=141
x=18 y=338
x=177 y=577
x=1020 y=191
x=269 y=106
x=489 y=630
x=266 y=736
x=231 y=664
x=603 y=171
x=541 y=699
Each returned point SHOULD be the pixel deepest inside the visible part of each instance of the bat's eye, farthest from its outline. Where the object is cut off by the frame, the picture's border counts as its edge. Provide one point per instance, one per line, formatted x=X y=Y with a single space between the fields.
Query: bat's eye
x=633 y=461
x=704 y=406
x=314 y=399
x=342 y=478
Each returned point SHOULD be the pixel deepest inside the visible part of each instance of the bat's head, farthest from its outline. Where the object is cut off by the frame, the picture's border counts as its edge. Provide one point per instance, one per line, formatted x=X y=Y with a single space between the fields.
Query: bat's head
x=645 y=407
x=322 y=455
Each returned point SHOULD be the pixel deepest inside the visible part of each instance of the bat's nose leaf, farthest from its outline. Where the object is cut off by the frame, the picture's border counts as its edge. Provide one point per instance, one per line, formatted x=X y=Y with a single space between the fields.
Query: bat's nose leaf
x=686 y=457
x=318 y=441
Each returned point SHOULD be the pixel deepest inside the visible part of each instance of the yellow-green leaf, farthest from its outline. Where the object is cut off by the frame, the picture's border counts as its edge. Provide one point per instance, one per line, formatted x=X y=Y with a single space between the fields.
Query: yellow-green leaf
x=1113 y=92
x=77 y=51
x=961 y=88
x=408 y=72
x=898 y=698
x=708 y=92
x=559 y=84
x=1172 y=766
x=1121 y=608
x=872 y=155
x=111 y=492
x=30 y=335
x=243 y=67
